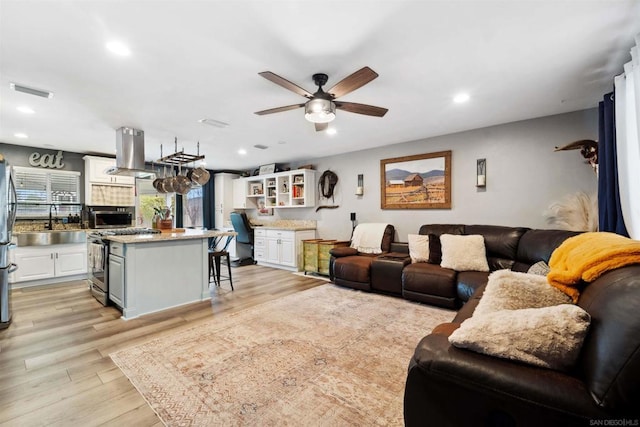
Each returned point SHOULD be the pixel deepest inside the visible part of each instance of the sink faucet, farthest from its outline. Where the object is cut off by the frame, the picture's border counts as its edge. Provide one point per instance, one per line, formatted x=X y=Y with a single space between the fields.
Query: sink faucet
x=50 y=225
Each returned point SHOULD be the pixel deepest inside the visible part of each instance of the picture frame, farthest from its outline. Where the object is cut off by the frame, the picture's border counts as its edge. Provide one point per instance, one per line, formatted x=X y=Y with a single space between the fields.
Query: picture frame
x=421 y=181
x=267 y=169
x=255 y=189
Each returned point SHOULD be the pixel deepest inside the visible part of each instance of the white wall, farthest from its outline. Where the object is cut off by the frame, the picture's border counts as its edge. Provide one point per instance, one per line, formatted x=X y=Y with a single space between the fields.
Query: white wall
x=524 y=176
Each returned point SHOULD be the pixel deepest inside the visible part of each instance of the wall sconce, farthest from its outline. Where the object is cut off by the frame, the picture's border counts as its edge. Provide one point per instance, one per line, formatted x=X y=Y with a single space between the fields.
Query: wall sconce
x=353 y=221
x=481 y=173
x=360 y=187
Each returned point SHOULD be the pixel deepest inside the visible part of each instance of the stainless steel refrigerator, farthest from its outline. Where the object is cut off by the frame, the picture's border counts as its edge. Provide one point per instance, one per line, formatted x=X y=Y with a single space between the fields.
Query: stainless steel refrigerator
x=7 y=219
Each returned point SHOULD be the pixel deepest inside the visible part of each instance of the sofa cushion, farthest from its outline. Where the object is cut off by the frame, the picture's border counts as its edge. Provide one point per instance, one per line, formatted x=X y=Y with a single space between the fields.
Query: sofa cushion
x=463 y=253
x=353 y=268
x=418 y=248
x=550 y=337
x=538 y=245
x=429 y=279
x=508 y=290
x=434 y=231
x=468 y=282
x=540 y=268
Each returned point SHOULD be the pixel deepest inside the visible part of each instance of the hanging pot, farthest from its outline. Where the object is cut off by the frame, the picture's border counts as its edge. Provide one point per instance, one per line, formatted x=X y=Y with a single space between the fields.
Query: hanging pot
x=181 y=183
x=168 y=184
x=200 y=175
x=158 y=182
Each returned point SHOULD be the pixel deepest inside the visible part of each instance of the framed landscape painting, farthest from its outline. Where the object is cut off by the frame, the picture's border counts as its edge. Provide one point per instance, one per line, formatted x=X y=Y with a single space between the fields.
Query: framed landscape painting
x=422 y=181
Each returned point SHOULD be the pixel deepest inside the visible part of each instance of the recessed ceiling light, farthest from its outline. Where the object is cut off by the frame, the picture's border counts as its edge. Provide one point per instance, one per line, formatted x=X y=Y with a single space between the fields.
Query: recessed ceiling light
x=118 y=48
x=25 y=109
x=331 y=131
x=242 y=151
x=261 y=146
x=21 y=135
x=461 y=98
x=282 y=142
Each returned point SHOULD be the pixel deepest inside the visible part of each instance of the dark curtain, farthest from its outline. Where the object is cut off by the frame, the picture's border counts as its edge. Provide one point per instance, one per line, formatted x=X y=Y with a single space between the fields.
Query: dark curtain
x=179 y=211
x=208 y=211
x=609 y=210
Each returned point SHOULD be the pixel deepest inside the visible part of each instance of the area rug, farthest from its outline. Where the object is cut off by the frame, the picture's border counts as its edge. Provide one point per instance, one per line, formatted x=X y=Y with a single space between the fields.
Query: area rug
x=325 y=356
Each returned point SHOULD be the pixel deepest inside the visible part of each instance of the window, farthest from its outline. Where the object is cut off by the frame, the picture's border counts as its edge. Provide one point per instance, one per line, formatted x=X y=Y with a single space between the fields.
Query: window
x=192 y=208
x=38 y=189
x=148 y=199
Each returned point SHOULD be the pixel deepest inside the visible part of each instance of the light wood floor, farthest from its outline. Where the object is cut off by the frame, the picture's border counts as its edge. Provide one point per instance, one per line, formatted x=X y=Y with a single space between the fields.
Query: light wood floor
x=54 y=358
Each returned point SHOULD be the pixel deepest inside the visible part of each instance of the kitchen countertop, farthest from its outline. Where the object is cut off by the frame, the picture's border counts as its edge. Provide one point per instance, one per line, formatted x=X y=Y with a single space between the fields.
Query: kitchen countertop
x=284 y=227
x=164 y=237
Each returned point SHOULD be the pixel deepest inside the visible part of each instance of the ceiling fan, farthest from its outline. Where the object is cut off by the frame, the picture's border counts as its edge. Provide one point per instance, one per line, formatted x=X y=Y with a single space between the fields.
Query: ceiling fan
x=321 y=107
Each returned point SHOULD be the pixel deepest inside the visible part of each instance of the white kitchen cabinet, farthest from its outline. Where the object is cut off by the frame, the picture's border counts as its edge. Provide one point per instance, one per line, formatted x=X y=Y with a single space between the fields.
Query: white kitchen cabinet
x=45 y=262
x=102 y=189
x=280 y=248
x=116 y=280
x=239 y=193
x=97 y=167
x=223 y=198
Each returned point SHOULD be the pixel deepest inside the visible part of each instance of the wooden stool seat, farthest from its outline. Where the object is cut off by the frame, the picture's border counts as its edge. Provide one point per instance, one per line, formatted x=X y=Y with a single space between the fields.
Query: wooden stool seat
x=214 y=266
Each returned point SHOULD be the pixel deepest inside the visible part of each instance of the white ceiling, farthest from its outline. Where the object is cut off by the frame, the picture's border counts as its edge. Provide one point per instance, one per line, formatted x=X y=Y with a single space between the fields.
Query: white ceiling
x=201 y=59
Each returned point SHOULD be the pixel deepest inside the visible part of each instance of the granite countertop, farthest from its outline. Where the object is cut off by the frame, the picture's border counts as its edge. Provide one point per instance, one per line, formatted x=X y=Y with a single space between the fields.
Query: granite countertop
x=285 y=224
x=188 y=234
x=284 y=227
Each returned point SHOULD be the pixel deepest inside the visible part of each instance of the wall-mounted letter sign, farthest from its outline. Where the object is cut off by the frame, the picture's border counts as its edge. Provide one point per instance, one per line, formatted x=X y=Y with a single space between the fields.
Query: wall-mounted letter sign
x=46 y=160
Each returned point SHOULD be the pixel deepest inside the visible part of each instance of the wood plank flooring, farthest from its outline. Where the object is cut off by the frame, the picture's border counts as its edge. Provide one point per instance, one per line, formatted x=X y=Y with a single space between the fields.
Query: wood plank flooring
x=55 y=367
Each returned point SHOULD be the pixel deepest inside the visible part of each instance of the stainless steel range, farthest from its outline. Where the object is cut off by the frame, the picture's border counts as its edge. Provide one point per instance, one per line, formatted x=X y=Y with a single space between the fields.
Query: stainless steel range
x=99 y=258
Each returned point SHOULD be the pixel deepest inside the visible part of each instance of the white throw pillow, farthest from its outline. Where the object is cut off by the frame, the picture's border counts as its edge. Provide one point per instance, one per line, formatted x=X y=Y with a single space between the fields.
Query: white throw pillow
x=510 y=290
x=419 y=248
x=463 y=253
x=550 y=336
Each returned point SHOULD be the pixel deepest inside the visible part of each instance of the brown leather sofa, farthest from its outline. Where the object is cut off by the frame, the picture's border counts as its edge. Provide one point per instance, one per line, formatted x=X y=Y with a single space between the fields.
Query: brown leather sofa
x=513 y=248
x=448 y=386
x=348 y=267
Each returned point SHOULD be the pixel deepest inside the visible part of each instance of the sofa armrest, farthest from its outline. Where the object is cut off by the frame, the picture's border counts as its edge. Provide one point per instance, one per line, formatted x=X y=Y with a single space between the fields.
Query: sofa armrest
x=441 y=376
x=343 y=251
x=401 y=247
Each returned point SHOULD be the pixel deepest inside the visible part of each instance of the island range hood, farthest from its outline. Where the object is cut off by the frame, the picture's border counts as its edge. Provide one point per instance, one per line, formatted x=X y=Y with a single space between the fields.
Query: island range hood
x=130 y=154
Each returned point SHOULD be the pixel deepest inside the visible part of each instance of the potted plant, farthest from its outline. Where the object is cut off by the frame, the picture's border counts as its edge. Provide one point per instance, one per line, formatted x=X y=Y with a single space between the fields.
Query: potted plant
x=163 y=218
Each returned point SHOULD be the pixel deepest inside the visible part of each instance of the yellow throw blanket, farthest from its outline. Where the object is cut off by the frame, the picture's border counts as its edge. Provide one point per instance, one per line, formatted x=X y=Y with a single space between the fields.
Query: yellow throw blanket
x=588 y=255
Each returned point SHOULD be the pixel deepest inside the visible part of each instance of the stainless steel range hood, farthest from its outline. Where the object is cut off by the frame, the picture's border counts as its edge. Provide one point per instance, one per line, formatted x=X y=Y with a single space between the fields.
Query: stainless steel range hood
x=130 y=154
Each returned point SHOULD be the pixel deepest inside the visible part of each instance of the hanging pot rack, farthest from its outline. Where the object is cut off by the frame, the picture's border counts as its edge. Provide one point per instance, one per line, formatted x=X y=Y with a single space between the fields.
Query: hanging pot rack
x=179 y=157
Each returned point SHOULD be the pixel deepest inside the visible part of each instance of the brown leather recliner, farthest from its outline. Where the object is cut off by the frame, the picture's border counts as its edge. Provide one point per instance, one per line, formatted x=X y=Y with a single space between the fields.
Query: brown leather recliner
x=348 y=267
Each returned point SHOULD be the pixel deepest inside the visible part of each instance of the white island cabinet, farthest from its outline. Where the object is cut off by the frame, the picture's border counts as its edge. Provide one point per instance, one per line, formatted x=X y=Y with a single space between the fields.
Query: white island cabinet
x=154 y=272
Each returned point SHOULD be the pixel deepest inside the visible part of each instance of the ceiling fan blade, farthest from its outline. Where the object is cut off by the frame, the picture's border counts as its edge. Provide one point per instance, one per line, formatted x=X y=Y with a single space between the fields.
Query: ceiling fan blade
x=353 y=82
x=321 y=126
x=367 y=110
x=279 y=109
x=285 y=83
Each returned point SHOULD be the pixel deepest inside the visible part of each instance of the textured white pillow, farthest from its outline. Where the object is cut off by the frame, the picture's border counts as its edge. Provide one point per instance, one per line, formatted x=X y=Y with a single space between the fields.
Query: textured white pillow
x=463 y=253
x=419 y=248
x=510 y=290
x=550 y=337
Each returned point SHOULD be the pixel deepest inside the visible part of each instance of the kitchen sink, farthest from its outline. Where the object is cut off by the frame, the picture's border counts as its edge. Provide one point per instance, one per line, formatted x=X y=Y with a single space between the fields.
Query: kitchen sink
x=57 y=237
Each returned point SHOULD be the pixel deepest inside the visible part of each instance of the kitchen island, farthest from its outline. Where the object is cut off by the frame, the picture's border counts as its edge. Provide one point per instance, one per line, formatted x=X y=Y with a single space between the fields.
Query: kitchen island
x=154 y=272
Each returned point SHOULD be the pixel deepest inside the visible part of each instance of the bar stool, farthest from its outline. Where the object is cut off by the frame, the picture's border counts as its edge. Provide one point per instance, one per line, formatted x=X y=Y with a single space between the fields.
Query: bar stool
x=215 y=256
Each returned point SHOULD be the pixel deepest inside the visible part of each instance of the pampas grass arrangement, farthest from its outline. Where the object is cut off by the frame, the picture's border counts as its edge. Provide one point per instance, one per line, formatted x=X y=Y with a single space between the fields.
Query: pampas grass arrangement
x=576 y=212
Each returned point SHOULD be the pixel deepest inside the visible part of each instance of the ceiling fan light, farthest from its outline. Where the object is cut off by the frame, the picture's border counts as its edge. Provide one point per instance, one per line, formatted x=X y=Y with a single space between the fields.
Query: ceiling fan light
x=320 y=111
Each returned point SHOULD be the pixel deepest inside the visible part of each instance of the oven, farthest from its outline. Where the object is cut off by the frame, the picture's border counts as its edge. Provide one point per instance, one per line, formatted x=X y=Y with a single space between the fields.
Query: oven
x=98 y=256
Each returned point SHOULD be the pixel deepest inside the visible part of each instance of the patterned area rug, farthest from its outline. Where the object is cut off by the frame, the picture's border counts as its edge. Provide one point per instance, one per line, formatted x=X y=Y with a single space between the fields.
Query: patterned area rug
x=325 y=356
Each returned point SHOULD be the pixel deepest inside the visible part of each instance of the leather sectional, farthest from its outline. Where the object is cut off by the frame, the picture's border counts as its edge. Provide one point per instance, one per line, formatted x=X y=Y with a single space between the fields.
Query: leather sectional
x=450 y=386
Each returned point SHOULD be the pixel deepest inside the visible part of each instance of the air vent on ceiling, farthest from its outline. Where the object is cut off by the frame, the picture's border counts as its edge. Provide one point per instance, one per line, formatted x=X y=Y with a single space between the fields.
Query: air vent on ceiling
x=214 y=123
x=30 y=90
x=260 y=146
